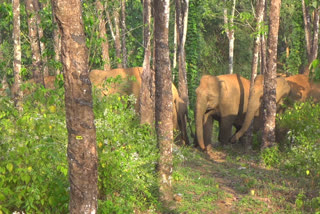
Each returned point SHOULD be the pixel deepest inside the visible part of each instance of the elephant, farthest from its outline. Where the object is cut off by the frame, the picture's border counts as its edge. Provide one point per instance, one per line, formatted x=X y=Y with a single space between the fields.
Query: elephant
x=49 y=83
x=299 y=87
x=130 y=85
x=283 y=89
x=223 y=98
x=314 y=92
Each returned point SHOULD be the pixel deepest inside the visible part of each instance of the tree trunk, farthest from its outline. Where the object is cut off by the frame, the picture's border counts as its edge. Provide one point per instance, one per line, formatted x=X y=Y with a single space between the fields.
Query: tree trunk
x=34 y=41
x=182 y=7
x=230 y=32
x=82 y=154
x=307 y=28
x=117 y=38
x=263 y=51
x=16 y=91
x=44 y=60
x=147 y=77
x=175 y=42
x=103 y=36
x=311 y=42
x=123 y=34
x=163 y=99
x=269 y=97
x=314 y=50
x=56 y=41
x=255 y=58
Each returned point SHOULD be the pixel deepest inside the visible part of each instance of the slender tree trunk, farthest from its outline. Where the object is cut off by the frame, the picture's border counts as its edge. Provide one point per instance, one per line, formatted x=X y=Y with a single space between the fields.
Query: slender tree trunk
x=16 y=91
x=123 y=34
x=44 y=60
x=307 y=28
x=269 y=97
x=117 y=38
x=315 y=45
x=34 y=40
x=255 y=58
x=82 y=154
x=163 y=99
x=263 y=51
x=147 y=78
x=311 y=42
x=230 y=32
x=175 y=42
x=182 y=7
x=56 y=41
x=103 y=36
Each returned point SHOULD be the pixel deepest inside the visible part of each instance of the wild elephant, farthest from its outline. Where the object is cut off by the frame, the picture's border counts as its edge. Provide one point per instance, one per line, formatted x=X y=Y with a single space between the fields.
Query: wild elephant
x=223 y=98
x=299 y=87
x=282 y=91
x=314 y=92
x=131 y=84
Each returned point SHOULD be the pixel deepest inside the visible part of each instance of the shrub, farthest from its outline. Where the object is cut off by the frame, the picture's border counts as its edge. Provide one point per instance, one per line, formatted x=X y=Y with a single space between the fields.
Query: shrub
x=33 y=161
x=302 y=146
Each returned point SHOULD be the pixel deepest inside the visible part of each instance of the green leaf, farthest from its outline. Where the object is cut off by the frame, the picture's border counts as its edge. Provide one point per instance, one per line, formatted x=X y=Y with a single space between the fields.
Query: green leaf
x=10 y=167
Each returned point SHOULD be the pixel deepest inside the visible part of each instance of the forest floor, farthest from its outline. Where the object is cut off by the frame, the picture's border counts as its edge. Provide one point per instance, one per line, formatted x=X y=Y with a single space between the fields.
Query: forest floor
x=232 y=181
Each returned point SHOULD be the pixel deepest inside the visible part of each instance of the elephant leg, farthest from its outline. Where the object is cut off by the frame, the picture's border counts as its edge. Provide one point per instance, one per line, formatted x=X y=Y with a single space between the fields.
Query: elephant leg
x=207 y=130
x=225 y=129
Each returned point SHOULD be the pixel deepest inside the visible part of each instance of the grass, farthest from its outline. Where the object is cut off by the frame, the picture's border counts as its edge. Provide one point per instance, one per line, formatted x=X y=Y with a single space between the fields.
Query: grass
x=229 y=181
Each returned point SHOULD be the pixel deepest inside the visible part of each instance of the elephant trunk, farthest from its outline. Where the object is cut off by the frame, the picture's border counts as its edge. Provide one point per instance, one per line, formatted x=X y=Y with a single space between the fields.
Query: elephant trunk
x=253 y=106
x=200 y=111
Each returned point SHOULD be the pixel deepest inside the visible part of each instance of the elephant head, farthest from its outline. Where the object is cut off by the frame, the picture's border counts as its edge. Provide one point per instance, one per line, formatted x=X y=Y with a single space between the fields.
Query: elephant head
x=254 y=104
x=300 y=87
x=223 y=98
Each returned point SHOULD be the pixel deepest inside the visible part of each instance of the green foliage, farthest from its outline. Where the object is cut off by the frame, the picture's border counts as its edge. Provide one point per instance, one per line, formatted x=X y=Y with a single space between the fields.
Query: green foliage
x=302 y=146
x=127 y=156
x=33 y=166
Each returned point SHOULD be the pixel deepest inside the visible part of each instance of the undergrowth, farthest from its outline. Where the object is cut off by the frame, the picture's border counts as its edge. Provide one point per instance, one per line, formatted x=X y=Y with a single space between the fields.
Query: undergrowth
x=33 y=161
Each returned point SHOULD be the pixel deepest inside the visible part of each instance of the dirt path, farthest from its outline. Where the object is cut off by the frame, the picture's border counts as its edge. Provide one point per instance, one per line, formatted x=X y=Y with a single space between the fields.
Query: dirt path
x=234 y=183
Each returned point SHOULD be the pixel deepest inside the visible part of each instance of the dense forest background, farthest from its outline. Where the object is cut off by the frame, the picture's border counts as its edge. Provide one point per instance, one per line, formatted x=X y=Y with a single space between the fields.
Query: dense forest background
x=206 y=43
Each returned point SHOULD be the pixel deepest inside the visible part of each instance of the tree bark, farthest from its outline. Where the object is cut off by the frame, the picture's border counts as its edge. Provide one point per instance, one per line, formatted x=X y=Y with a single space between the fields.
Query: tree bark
x=255 y=58
x=307 y=28
x=34 y=42
x=44 y=60
x=315 y=45
x=123 y=34
x=263 y=51
x=230 y=32
x=82 y=154
x=182 y=7
x=117 y=38
x=103 y=36
x=147 y=78
x=163 y=98
x=56 y=41
x=269 y=97
x=311 y=42
x=16 y=91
